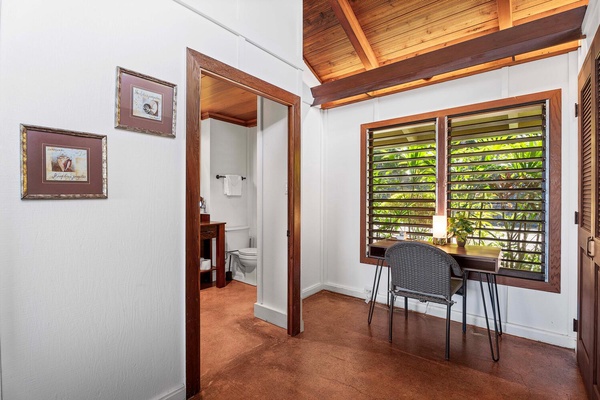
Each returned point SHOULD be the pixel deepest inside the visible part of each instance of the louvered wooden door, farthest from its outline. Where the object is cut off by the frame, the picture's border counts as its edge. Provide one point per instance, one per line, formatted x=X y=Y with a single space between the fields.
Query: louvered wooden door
x=589 y=228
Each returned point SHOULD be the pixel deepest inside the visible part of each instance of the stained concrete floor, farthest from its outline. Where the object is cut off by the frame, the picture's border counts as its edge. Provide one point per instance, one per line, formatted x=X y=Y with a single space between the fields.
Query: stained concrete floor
x=339 y=356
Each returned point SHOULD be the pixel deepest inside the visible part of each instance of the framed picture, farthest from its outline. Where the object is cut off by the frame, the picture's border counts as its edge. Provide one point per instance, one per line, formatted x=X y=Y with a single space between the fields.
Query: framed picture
x=59 y=164
x=145 y=104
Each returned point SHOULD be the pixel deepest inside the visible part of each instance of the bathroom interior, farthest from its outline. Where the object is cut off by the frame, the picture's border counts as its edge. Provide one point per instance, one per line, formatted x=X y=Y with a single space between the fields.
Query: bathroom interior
x=228 y=181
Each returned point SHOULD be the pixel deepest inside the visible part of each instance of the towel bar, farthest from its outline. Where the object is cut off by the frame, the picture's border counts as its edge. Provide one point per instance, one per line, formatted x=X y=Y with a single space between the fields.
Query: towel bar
x=223 y=176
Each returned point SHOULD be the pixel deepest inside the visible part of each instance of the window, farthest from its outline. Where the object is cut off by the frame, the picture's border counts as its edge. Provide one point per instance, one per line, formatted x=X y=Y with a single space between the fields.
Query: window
x=401 y=176
x=497 y=177
x=497 y=162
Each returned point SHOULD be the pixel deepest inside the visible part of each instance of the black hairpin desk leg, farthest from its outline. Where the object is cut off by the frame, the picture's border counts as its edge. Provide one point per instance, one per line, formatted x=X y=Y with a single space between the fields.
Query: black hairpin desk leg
x=376 y=280
x=493 y=291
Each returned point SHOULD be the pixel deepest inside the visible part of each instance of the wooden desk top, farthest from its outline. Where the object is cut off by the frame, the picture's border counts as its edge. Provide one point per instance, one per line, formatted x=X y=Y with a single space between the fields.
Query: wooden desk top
x=211 y=223
x=470 y=258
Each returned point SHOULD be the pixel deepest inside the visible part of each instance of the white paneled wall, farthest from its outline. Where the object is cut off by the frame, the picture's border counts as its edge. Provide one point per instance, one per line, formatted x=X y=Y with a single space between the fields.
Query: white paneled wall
x=101 y=315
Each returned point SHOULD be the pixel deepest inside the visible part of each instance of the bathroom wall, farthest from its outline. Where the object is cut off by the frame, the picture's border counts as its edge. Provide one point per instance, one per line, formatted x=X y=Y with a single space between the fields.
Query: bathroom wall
x=228 y=155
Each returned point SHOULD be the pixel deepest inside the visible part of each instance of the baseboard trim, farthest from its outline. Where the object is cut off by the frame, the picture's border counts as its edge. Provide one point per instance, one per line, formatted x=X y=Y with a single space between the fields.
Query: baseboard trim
x=177 y=394
x=437 y=310
x=314 y=289
x=270 y=315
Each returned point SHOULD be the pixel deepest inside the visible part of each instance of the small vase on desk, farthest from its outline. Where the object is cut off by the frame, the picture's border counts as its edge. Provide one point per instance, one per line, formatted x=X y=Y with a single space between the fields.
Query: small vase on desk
x=460 y=241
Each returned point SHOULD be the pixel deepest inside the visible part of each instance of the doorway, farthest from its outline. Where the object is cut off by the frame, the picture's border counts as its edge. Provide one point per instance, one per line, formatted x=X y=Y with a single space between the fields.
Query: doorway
x=198 y=64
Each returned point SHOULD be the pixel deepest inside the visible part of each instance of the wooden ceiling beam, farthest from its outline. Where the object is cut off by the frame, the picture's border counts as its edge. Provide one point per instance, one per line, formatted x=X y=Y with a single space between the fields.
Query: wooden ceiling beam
x=505 y=17
x=507 y=62
x=532 y=36
x=356 y=35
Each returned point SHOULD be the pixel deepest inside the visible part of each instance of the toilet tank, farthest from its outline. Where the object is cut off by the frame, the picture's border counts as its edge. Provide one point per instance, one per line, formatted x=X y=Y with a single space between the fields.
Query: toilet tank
x=237 y=237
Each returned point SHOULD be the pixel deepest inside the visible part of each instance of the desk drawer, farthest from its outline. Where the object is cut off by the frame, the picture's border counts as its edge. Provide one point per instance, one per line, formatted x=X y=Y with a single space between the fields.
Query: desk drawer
x=208 y=232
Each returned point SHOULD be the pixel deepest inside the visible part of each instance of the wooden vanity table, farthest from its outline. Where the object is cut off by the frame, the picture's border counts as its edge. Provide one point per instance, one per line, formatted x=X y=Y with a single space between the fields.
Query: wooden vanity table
x=209 y=231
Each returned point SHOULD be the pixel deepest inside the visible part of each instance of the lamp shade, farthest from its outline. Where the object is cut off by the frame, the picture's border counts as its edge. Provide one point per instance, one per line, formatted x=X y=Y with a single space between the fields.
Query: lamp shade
x=439 y=227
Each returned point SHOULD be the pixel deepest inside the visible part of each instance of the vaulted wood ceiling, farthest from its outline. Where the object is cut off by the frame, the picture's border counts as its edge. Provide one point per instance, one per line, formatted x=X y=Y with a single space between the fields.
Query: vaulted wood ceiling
x=360 y=49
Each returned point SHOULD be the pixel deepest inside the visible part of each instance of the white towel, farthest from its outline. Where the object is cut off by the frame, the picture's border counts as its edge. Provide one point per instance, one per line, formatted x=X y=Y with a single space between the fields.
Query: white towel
x=232 y=185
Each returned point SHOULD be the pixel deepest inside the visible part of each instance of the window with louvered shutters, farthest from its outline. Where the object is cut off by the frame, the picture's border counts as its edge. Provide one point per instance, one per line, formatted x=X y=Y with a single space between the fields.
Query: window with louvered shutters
x=497 y=177
x=586 y=157
x=401 y=180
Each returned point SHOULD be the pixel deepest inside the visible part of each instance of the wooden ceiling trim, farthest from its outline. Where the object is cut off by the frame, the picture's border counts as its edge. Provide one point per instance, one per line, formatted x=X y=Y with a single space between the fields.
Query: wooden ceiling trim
x=505 y=15
x=229 y=119
x=351 y=26
x=548 y=52
x=536 y=35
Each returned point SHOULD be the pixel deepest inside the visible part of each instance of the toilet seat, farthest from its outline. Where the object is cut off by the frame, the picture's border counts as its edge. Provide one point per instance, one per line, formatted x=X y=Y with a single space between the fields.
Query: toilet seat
x=248 y=252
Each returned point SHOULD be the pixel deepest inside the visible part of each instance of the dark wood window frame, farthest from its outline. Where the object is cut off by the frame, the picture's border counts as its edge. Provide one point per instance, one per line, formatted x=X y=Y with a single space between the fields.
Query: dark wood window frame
x=554 y=110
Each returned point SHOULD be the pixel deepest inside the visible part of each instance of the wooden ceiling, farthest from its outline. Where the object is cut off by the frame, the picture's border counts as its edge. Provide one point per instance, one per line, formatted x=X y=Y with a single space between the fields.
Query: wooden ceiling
x=220 y=99
x=360 y=49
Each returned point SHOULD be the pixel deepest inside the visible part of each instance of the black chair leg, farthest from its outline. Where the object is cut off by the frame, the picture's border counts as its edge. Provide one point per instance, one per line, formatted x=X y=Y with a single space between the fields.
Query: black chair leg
x=448 y=307
x=391 y=311
x=406 y=308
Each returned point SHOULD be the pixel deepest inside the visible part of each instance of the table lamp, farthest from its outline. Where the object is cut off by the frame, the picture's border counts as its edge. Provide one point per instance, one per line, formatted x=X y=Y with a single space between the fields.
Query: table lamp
x=440 y=233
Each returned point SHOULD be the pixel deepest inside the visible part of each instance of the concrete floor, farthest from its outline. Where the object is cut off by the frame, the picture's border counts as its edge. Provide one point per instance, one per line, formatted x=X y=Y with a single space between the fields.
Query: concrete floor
x=339 y=356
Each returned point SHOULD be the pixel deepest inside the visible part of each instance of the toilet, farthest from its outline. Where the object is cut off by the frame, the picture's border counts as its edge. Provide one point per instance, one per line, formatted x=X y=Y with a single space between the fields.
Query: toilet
x=248 y=257
x=243 y=259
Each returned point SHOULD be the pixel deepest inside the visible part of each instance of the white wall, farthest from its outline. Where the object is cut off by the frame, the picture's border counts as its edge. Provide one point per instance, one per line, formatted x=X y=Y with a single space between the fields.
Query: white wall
x=590 y=24
x=101 y=316
x=532 y=314
x=269 y=34
x=228 y=156
x=251 y=189
x=205 y=181
x=311 y=199
x=271 y=303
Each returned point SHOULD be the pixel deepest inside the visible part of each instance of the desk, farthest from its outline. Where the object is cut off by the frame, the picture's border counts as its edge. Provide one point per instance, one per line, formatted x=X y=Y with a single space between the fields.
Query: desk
x=478 y=259
x=208 y=231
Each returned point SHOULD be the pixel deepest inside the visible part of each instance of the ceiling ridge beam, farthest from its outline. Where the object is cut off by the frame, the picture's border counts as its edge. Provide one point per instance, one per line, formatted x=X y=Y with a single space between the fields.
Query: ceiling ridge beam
x=535 y=35
x=505 y=15
x=345 y=15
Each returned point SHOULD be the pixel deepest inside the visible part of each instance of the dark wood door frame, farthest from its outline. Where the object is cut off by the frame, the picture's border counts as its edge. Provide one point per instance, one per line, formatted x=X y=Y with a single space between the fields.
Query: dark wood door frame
x=588 y=237
x=198 y=64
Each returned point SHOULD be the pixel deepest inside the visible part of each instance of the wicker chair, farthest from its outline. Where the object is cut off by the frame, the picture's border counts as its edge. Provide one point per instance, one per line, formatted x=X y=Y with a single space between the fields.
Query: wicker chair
x=423 y=272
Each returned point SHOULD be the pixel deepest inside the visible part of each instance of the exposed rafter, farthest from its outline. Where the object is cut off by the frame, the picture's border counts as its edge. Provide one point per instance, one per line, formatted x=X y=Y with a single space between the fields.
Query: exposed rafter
x=532 y=36
x=349 y=22
x=505 y=17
